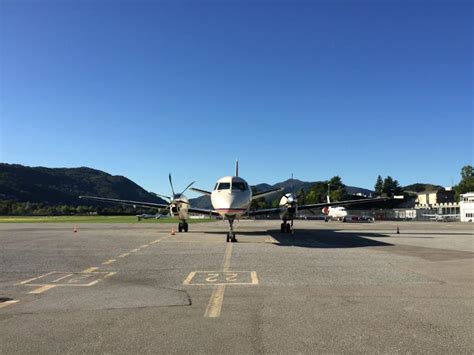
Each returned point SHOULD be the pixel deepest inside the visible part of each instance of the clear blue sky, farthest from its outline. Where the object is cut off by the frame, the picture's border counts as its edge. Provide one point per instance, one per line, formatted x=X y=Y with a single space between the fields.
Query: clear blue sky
x=314 y=88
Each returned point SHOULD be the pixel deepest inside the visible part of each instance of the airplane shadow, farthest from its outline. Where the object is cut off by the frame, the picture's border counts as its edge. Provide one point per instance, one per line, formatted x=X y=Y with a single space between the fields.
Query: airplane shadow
x=314 y=238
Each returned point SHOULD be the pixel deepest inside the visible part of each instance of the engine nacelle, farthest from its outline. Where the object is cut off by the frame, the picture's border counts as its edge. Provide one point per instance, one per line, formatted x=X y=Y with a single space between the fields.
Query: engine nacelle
x=325 y=211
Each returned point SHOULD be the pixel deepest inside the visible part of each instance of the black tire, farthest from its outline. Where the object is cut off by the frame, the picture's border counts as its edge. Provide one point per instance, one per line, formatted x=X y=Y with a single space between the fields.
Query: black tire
x=228 y=238
x=185 y=227
x=180 y=228
x=282 y=228
x=234 y=239
x=288 y=228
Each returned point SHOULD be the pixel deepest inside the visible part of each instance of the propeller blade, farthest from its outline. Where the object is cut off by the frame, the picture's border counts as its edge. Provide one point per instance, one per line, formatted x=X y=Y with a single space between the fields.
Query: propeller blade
x=171 y=183
x=162 y=196
x=187 y=187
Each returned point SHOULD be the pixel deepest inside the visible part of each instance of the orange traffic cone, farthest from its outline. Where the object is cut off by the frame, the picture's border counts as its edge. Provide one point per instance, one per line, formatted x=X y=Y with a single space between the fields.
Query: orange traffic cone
x=173 y=231
x=75 y=229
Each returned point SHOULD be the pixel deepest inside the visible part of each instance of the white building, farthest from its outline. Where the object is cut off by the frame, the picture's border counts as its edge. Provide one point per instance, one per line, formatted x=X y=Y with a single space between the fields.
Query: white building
x=466 y=204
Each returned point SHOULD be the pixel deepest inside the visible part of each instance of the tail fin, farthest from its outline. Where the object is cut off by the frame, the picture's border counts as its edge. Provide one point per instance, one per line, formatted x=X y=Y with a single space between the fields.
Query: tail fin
x=237 y=168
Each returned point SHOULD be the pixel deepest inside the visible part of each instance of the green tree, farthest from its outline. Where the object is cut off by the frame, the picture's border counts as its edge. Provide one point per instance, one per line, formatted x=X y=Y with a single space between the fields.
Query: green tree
x=467 y=181
x=378 y=186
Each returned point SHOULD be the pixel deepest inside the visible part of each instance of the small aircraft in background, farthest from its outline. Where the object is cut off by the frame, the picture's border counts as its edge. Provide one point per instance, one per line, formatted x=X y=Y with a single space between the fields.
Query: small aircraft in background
x=178 y=206
x=442 y=217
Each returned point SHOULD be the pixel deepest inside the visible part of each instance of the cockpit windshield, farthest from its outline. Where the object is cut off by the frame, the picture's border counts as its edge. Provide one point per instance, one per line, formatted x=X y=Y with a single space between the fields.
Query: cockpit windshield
x=238 y=185
x=224 y=186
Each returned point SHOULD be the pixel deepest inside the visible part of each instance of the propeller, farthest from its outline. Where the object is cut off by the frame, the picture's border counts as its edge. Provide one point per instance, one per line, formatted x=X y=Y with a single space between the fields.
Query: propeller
x=171 y=183
x=176 y=197
x=187 y=187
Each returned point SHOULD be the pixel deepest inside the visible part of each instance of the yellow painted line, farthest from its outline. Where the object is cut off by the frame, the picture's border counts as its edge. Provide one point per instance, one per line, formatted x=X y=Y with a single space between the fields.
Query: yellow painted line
x=227 y=255
x=8 y=303
x=189 y=278
x=144 y=246
x=34 y=278
x=42 y=289
x=123 y=255
x=253 y=276
x=89 y=270
x=108 y=262
x=214 y=307
x=62 y=277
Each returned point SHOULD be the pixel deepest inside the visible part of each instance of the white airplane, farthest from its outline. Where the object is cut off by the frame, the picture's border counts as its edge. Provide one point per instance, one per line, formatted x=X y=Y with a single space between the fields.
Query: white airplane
x=178 y=206
x=231 y=199
x=339 y=212
x=288 y=208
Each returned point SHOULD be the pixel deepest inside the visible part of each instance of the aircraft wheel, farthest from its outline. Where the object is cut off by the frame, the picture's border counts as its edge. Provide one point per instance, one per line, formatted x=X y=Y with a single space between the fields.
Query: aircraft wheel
x=288 y=228
x=282 y=228
x=229 y=237
x=233 y=238
x=180 y=228
x=185 y=227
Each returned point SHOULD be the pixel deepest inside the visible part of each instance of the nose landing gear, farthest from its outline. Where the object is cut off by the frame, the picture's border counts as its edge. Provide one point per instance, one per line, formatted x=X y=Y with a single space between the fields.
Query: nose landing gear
x=286 y=227
x=231 y=235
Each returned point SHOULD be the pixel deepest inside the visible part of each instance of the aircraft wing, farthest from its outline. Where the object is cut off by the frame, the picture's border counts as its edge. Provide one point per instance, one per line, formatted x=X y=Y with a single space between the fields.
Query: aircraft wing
x=347 y=202
x=265 y=193
x=203 y=211
x=264 y=211
x=204 y=192
x=125 y=202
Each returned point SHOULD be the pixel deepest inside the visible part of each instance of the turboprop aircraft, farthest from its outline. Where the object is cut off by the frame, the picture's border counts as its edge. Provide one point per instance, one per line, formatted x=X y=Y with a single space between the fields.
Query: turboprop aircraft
x=288 y=207
x=231 y=199
x=178 y=205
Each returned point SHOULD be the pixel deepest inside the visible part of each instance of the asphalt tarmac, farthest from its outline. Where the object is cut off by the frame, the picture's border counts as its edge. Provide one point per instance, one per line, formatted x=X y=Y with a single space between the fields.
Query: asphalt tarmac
x=329 y=288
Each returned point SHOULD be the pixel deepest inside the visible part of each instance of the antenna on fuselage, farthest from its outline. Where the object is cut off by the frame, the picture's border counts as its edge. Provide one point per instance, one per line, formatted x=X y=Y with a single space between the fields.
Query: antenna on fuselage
x=237 y=167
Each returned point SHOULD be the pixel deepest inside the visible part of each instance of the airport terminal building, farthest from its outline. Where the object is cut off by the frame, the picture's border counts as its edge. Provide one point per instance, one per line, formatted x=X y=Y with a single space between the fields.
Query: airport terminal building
x=466 y=205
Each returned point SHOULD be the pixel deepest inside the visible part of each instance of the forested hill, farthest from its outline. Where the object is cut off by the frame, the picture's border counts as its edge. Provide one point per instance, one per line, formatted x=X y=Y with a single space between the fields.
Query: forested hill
x=62 y=186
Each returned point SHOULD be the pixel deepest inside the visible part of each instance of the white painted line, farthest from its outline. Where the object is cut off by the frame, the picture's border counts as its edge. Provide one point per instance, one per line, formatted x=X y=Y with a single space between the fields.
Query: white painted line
x=34 y=278
x=62 y=277
x=134 y=250
x=144 y=246
x=8 y=303
x=110 y=274
x=123 y=255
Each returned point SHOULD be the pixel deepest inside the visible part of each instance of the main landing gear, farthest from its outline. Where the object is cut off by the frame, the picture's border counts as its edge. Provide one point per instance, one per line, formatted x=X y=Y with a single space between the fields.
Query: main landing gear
x=183 y=227
x=286 y=227
x=231 y=235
